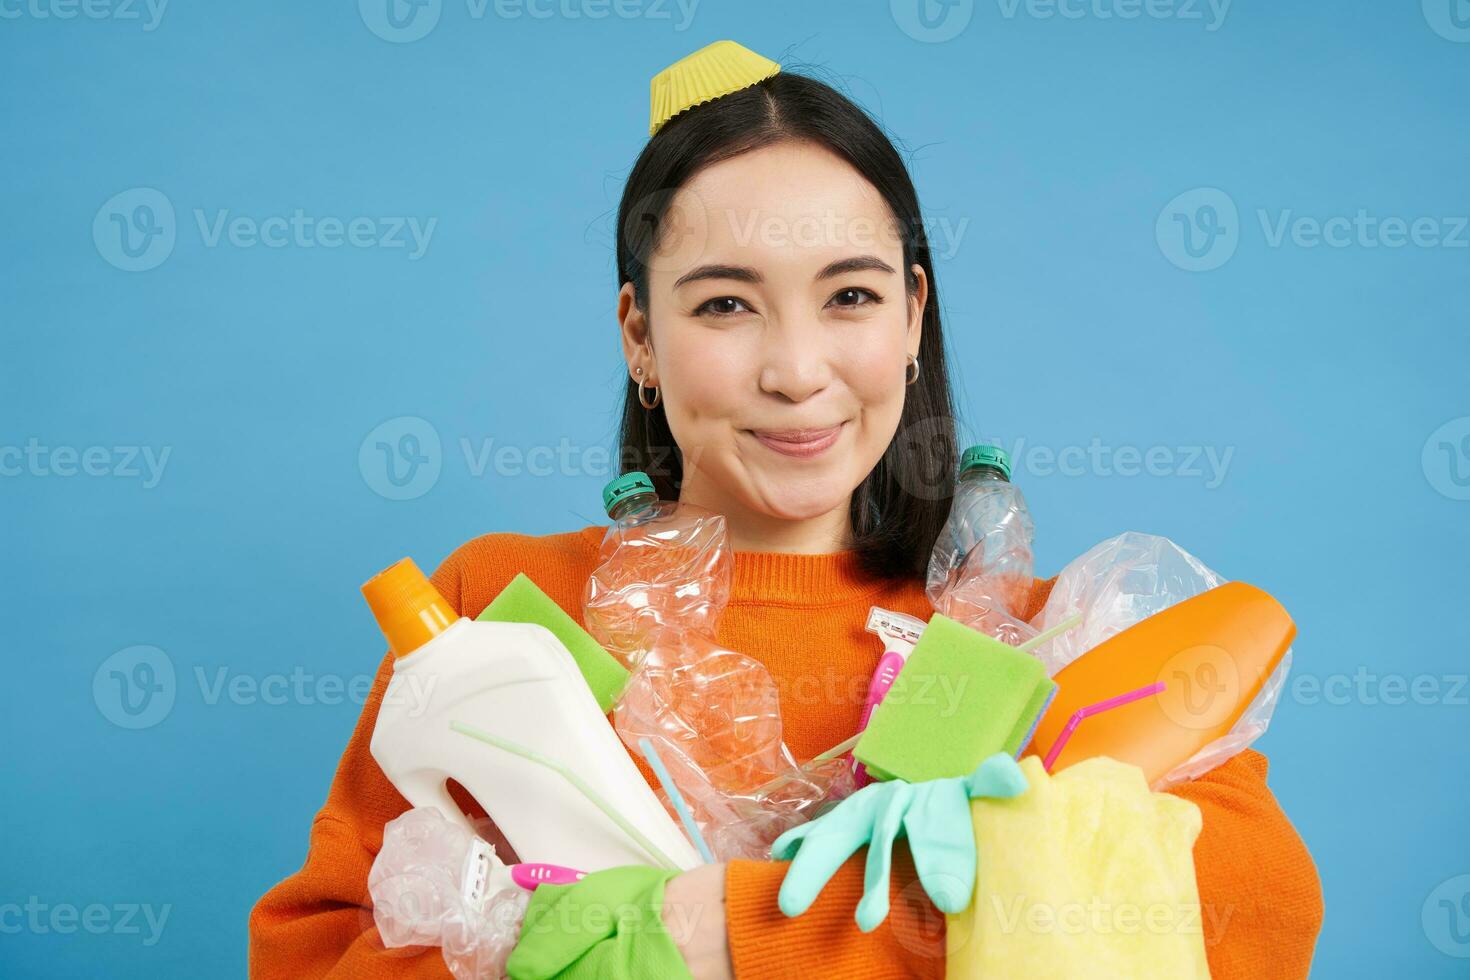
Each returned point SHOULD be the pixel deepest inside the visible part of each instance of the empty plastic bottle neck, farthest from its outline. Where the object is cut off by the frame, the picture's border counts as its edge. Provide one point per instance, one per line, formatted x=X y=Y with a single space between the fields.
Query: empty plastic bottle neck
x=628 y=494
x=986 y=472
x=630 y=505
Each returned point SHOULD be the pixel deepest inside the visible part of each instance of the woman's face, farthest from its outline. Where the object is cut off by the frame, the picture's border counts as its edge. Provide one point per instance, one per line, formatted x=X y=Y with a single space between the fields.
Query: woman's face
x=778 y=331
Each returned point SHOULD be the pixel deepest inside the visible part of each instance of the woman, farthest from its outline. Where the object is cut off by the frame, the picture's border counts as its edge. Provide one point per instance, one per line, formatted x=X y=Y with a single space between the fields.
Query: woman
x=780 y=322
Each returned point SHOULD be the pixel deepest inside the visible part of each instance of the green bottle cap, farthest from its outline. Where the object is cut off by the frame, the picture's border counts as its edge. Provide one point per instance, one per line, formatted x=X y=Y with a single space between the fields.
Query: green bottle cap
x=986 y=456
x=626 y=486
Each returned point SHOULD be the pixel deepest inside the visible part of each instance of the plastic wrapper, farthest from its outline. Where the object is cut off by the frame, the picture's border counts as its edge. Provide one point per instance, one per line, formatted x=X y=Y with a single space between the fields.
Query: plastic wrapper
x=434 y=884
x=1251 y=726
x=980 y=569
x=713 y=714
x=1123 y=581
x=1115 y=584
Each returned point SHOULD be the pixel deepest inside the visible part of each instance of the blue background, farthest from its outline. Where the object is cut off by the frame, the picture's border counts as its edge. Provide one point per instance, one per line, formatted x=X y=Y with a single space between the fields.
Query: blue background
x=1056 y=141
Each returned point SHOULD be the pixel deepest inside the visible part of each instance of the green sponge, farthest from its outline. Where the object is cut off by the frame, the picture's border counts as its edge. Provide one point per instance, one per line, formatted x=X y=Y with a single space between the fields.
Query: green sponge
x=522 y=601
x=959 y=699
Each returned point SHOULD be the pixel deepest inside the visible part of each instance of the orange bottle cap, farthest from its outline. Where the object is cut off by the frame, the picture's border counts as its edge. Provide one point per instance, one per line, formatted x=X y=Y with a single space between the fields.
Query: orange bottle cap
x=409 y=610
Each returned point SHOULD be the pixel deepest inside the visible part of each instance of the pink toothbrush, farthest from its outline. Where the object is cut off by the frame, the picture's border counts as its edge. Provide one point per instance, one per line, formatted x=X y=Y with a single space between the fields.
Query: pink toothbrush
x=528 y=876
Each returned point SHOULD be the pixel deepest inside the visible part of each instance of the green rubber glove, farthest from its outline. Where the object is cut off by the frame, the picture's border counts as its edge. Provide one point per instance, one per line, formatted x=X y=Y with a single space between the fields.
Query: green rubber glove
x=608 y=925
x=934 y=815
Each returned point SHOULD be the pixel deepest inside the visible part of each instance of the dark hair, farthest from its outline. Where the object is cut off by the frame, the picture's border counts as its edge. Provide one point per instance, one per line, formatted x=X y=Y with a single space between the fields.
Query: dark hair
x=900 y=507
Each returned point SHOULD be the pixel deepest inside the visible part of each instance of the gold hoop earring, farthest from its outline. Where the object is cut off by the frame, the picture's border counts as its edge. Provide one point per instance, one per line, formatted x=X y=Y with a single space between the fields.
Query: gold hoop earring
x=913 y=363
x=643 y=399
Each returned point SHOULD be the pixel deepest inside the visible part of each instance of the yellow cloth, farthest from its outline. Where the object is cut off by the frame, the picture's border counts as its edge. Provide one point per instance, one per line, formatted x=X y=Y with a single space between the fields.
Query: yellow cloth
x=1086 y=874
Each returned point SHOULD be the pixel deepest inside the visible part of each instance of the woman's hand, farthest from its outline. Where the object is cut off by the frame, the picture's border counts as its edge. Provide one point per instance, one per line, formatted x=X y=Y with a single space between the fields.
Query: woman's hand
x=694 y=915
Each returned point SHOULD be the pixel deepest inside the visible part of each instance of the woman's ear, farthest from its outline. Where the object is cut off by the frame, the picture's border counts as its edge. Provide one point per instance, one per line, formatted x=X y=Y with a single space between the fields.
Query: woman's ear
x=633 y=330
x=918 y=300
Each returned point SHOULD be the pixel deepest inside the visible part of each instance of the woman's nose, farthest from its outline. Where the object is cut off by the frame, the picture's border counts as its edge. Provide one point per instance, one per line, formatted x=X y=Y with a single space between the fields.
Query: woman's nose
x=795 y=359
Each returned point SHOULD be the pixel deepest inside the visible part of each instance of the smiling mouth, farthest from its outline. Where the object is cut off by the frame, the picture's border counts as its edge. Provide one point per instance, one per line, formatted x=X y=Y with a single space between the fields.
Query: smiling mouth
x=799 y=443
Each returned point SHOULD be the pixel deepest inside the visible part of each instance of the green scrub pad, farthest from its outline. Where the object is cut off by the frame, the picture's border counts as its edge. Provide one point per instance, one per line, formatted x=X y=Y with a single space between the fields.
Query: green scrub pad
x=959 y=699
x=522 y=601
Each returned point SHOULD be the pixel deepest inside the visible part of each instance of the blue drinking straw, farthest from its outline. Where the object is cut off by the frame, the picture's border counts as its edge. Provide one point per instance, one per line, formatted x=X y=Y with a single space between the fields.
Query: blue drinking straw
x=676 y=798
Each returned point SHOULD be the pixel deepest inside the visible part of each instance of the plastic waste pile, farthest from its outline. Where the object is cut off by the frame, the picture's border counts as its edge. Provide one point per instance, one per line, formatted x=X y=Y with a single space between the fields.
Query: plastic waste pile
x=522 y=721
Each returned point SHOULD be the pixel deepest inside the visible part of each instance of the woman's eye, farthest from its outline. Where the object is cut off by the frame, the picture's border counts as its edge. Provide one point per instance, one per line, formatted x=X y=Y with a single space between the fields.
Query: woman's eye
x=855 y=297
x=721 y=306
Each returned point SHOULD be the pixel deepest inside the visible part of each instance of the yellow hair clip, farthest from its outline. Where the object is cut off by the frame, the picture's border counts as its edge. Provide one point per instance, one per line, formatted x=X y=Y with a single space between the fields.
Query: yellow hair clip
x=712 y=71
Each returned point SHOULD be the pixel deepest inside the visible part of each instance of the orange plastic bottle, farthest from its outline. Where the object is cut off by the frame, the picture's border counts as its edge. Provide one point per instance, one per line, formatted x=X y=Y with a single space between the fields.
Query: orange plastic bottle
x=1213 y=652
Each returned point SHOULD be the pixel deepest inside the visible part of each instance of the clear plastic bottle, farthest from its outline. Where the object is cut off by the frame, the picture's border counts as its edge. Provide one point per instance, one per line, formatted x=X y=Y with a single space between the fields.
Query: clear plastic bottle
x=980 y=569
x=714 y=715
x=662 y=564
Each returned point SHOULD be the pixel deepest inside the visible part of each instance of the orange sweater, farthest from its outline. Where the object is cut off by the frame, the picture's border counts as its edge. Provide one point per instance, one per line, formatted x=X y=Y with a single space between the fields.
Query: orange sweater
x=802 y=616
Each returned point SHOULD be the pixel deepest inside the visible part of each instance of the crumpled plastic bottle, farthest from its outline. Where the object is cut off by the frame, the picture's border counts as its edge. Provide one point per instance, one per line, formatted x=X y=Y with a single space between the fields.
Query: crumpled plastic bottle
x=713 y=714
x=980 y=568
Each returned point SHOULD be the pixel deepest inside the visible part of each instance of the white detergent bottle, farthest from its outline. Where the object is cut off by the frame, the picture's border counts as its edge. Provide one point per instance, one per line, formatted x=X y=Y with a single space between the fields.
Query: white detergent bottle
x=518 y=689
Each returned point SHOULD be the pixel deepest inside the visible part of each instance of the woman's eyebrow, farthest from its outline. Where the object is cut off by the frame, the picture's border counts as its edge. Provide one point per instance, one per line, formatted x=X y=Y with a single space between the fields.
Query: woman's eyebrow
x=740 y=273
x=858 y=263
x=744 y=273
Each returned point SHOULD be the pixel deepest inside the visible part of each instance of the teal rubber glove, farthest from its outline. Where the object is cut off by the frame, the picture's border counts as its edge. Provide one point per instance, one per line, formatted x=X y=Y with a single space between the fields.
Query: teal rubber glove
x=934 y=815
x=608 y=925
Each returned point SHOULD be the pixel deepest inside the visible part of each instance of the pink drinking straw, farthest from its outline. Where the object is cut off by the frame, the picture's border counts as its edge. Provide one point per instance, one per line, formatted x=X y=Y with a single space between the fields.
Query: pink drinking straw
x=1088 y=712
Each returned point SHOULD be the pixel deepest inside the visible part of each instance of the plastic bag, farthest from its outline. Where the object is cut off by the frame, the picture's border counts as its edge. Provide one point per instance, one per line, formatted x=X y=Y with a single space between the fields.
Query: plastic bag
x=1123 y=581
x=434 y=884
x=1250 y=726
